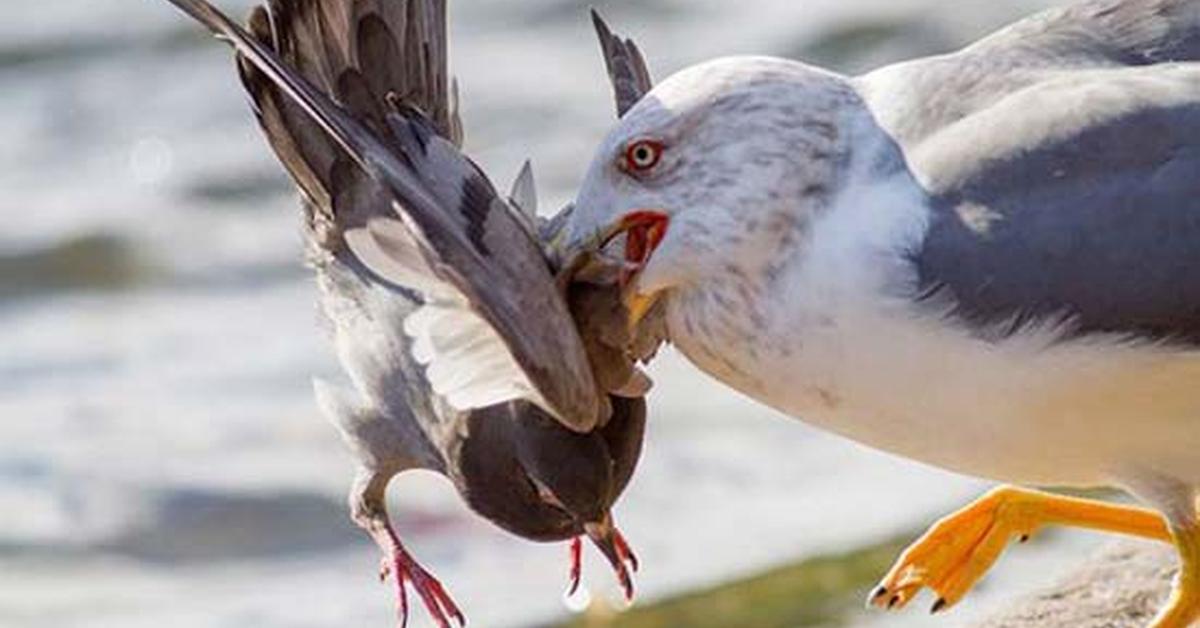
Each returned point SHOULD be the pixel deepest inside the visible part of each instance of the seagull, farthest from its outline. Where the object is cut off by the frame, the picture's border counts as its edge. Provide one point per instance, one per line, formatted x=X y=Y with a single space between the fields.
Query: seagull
x=468 y=356
x=987 y=261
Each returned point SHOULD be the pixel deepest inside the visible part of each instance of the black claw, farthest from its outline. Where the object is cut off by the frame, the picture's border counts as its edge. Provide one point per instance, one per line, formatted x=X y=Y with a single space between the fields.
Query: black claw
x=893 y=602
x=878 y=593
x=938 y=606
x=1024 y=538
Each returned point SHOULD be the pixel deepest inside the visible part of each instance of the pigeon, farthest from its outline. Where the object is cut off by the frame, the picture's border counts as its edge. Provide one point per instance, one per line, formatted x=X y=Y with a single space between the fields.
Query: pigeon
x=985 y=260
x=467 y=354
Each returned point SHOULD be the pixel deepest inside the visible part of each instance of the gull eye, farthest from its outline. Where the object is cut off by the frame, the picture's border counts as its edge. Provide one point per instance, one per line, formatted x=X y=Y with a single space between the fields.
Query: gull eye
x=642 y=155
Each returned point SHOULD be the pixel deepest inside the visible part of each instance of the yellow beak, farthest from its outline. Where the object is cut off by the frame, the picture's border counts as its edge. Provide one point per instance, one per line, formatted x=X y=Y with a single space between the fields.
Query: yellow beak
x=637 y=304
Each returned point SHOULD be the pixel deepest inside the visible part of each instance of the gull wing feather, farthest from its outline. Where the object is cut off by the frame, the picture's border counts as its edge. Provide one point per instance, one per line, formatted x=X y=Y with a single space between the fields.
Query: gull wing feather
x=1060 y=150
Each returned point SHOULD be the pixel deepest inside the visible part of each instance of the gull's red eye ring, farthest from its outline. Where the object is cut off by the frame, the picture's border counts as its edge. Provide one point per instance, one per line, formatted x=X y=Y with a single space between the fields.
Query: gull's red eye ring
x=642 y=155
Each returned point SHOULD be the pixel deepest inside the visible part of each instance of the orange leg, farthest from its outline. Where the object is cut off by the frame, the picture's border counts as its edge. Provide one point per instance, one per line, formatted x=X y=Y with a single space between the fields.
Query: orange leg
x=955 y=553
x=1183 y=607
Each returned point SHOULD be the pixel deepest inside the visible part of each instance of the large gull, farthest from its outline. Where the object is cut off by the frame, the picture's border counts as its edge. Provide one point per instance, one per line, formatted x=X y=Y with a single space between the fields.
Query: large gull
x=987 y=261
x=466 y=356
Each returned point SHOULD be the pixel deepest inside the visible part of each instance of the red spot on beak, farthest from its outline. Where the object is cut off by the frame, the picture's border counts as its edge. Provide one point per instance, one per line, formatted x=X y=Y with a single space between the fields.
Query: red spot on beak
x=644 y=231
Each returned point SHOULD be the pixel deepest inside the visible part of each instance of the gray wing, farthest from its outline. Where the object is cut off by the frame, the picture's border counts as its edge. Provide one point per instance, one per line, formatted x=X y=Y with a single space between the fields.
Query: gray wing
x=626 y=66
x=390 y=186
x=359 y=52
x=1062 y=156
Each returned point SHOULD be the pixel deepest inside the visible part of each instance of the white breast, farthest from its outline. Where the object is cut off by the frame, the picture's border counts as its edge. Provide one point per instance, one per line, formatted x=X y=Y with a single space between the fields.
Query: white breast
x=838 y=344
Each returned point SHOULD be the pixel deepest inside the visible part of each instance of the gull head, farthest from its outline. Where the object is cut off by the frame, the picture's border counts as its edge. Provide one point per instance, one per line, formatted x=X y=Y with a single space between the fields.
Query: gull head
x=714 y=172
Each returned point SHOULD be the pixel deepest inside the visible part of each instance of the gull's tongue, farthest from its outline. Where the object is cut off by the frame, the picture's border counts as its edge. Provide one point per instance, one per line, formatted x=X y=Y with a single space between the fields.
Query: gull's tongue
x=636 y=252
x=648 y=230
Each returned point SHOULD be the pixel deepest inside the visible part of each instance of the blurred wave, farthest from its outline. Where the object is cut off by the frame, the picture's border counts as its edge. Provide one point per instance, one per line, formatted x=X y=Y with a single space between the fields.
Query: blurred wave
x=250 y=190
x=89 y=262
x=196 y=526
x=41 y=55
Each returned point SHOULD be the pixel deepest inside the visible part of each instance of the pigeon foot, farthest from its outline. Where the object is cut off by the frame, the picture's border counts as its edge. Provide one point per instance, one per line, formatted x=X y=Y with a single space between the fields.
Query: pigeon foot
x=576 y=574
x=399 y=563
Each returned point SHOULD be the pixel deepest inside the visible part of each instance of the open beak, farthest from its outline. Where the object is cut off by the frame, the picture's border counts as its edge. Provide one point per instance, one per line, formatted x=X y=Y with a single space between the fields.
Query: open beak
x=637 y=304
x=644 y=231
x=611 y=543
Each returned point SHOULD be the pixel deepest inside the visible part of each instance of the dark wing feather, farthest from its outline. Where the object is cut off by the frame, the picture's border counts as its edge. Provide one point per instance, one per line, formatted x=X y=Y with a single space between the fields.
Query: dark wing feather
x=494 y=326
x=625 y=434
x=358 y=52
x=626 y=66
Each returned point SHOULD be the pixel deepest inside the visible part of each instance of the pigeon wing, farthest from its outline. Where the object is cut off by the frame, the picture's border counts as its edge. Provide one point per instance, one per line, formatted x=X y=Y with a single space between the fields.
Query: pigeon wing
x=626 y=66
x=494 y=327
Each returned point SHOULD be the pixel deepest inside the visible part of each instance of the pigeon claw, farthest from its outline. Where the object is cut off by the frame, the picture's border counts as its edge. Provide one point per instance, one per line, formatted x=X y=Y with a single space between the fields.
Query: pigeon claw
x=408 y=572
x=624 y=551
x=576 y=565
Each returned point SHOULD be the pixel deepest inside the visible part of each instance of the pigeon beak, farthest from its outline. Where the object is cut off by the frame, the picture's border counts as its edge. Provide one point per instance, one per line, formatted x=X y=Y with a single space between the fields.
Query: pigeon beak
x=609 y=541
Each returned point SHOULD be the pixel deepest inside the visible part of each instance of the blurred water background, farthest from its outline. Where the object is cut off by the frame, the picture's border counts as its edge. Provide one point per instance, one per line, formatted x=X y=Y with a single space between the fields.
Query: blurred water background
x=161 y=460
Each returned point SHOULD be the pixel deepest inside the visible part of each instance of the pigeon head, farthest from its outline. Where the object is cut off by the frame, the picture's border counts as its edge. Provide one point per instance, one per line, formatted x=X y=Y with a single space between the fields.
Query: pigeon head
x=525 y=472
x=714 y=172
x=570 y=471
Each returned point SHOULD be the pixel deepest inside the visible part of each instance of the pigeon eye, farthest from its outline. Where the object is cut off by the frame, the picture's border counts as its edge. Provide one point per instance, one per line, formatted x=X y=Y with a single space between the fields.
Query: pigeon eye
x=642 y=155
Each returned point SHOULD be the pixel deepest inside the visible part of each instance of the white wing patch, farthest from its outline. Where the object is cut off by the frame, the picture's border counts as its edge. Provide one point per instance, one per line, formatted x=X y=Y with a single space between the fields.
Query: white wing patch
x=466 y=361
